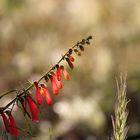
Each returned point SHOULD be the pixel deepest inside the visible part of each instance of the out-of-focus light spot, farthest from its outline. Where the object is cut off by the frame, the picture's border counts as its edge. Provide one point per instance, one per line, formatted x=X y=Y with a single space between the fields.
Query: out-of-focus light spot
x=103 y=64
x=81 y=15
x=44 y=126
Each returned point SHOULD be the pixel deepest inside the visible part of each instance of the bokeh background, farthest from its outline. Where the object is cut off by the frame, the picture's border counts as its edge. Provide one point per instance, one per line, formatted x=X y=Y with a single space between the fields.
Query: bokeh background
x=33 y=36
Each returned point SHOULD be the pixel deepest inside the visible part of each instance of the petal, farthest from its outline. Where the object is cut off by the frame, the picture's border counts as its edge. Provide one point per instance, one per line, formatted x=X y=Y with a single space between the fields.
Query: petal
x=65 y=73
x=47 y=95
x=58 y=83
x=13 y=126
x=38 y=94
x=58 y=73
x=33 y=109
x=54 y=86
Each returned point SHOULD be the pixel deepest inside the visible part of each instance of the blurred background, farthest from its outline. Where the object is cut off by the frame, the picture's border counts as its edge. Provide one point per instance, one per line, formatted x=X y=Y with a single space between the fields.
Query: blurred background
x=33 y=36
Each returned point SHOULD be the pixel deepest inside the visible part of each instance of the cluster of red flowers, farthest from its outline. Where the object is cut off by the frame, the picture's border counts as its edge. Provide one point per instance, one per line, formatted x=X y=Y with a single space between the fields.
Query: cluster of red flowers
x=54 y=76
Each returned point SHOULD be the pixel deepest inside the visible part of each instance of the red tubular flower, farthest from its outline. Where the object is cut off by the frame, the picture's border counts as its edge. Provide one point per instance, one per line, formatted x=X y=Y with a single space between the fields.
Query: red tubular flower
x=65 y=73
x=58 y=73
x=58 y=83
x=12 y=125
x=38 y=94
x=71 y=58
x=46 y=93
x=53 y=85
x=70 y=63
x=33 y=109
x=6 y=122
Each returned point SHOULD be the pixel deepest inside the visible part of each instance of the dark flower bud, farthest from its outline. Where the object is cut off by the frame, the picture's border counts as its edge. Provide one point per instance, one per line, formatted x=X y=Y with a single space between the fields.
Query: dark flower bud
x=77 y=52
x=83 y=41
x=70 y=51
x=70 y=63
x=90 y=37
x=87 y=42
x=81 y=47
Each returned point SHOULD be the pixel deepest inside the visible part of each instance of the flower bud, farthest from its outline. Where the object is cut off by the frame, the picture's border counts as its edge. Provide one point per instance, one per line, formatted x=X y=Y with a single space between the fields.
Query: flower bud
x=69 y=63
x=65 y=73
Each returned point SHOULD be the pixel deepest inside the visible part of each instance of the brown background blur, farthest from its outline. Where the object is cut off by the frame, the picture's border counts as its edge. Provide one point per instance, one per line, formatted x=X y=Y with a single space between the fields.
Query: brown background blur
x=33 y=36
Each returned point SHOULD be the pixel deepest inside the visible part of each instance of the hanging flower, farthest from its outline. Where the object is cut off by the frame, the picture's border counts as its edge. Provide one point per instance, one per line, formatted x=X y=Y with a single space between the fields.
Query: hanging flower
x=58 y=83
x=71 y=58
x=46 y=94
x=65 y=73
x=58 y=73
x=12 y=124
x=33 y=108
x=53 y=85
x=38 y=94
x=69 y=63
x=6 y=122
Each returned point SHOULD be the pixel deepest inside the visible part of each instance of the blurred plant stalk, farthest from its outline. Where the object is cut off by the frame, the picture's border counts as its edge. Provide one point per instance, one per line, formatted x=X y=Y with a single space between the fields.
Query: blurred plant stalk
x=120 y=128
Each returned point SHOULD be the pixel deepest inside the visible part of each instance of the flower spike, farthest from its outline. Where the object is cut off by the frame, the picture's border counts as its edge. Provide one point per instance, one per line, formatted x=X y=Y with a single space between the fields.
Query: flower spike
x=53 y=75
x=38 y=94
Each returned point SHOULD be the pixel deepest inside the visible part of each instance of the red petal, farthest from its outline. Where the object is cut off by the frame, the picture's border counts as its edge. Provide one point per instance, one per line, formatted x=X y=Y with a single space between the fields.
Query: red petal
x=66 y=74
x=58 y=83
x=47 y=95
x=54 y=86
x=71 y=58
x=33 y=109
x=6 y=122
x=38 y=94
x=13 y=126
x=58 y=73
